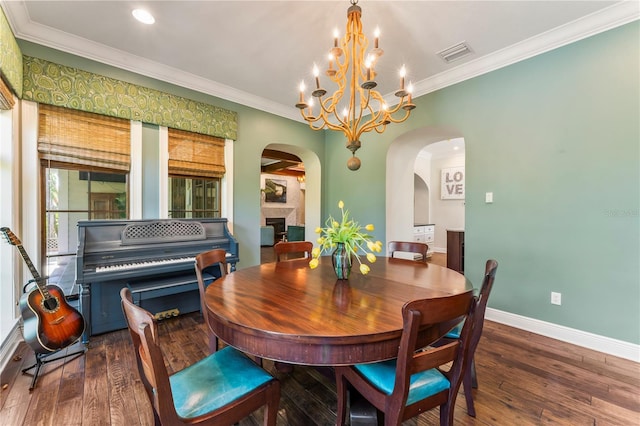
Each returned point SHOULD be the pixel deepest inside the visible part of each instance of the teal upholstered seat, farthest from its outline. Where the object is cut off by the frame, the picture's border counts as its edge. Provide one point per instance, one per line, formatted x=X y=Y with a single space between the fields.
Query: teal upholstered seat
x=421 y=385
x=215 y=381
x=455 y=332
x=220 y=389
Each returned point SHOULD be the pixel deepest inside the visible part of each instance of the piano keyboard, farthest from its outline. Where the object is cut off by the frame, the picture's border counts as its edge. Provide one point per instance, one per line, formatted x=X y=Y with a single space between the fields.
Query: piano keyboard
x=145 y=264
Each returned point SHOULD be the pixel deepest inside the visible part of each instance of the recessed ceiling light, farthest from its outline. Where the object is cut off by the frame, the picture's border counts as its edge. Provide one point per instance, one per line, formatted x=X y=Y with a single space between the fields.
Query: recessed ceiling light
x=143 y=16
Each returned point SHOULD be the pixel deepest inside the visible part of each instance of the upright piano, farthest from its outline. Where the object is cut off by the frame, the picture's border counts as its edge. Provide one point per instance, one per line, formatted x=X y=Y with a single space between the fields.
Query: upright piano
x=154 y=258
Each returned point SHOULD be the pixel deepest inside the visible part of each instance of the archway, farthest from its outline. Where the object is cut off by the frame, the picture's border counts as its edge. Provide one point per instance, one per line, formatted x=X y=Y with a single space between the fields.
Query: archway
x=402 y=152
x=312 y=185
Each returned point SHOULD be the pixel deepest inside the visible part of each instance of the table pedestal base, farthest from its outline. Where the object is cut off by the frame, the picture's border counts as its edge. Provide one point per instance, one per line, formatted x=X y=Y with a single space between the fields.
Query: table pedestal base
x=361 y=412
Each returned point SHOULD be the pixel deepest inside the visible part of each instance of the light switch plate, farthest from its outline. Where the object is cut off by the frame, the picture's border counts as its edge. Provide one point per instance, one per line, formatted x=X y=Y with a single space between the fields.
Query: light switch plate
x=488 y=197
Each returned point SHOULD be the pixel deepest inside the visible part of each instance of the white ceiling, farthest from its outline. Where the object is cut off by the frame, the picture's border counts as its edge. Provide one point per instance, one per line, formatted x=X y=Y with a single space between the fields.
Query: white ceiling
x=256 y=52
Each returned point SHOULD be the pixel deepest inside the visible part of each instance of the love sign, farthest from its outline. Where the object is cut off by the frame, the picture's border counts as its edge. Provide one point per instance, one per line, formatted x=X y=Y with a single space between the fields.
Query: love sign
x=452 y=184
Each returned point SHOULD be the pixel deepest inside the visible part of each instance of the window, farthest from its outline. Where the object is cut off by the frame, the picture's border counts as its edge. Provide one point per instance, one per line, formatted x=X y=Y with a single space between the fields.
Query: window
x=73 y=195
x=85 y=161
x=193 y=197
x=196 y=165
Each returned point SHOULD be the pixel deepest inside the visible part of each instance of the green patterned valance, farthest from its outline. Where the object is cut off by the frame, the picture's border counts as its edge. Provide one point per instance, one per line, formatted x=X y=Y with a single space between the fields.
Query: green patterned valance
x=10 y=56
x=54 y=84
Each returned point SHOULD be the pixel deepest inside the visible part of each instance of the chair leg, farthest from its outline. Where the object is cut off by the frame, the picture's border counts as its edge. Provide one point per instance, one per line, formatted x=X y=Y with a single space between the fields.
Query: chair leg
x=341 y=390
x=474 y=378
x=271 y=407
x=467 y=385
x=446 y=414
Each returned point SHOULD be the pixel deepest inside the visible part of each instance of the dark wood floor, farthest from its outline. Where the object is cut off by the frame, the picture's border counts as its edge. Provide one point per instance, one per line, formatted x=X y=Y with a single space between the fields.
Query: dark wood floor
x=525 y=379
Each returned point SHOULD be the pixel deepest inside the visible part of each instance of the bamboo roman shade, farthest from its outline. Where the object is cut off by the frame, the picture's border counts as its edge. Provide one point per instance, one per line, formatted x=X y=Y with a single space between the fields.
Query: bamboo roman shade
x=83 y=138
x=6 y=96
x=193 y=154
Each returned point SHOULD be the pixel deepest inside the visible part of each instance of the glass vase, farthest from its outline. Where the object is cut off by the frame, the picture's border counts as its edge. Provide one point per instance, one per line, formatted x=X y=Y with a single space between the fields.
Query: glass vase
x=341 y=262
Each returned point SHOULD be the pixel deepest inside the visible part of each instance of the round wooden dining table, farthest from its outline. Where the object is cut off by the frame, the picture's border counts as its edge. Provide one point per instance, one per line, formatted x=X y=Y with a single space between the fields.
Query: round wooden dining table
x=287 y=312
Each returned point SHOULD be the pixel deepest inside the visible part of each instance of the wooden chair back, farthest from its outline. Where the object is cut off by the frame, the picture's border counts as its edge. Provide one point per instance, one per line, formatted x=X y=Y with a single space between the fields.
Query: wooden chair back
x=213 y=262
x=415 y=357
x=491 y=267
x=409 y=247
x=292 y=250
x=207 y=391
x=153 y=373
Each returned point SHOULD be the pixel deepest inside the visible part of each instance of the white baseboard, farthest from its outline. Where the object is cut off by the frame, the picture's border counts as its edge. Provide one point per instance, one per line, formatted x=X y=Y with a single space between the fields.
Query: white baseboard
x=9 y=345
x=596 y=342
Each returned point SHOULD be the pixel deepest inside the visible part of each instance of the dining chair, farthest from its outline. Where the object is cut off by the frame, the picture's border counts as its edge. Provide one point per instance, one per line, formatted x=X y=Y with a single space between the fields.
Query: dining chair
x=409 y=247
x=209 y=265
x=469 y=379
x=286 y=250
x=220 y=389
x=412 y=383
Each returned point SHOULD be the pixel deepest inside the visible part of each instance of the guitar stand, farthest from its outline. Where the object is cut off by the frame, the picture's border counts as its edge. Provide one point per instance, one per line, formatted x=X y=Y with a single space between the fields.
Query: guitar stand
x=42 y=359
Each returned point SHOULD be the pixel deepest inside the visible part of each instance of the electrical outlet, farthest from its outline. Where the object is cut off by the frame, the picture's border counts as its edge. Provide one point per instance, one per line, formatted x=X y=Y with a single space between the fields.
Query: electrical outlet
x=556 y=298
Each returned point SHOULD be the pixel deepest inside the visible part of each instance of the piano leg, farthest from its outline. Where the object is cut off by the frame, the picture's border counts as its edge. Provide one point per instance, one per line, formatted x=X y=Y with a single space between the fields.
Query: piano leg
x=85 y=309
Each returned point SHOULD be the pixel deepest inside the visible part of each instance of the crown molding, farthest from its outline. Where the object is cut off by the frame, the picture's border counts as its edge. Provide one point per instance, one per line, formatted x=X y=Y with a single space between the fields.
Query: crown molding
x=24 y=28
x=587 y=26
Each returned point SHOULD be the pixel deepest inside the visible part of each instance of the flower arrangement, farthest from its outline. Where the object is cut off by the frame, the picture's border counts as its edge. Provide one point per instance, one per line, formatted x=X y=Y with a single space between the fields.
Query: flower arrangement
x=351 y=234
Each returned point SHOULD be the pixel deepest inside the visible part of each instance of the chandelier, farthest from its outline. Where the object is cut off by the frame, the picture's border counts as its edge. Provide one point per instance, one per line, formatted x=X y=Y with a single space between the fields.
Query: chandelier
x=352 y=68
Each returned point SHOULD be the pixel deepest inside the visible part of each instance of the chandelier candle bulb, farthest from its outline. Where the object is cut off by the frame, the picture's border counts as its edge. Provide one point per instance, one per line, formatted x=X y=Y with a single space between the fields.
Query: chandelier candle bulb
x=316 y=74
x=302 y=89
x=376 y=34
x=336 y=35
x=403 y=72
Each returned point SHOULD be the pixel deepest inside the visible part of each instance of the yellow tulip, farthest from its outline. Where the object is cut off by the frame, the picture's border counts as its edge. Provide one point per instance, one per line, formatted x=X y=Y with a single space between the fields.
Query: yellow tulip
x=321 y=240
x=371 y=257
x=335 y=224
x=313 y=263
x=340 y=204
x=370 y=246
x=364 y=269
x=369 y=227
x=315 y=252
x=318 y=230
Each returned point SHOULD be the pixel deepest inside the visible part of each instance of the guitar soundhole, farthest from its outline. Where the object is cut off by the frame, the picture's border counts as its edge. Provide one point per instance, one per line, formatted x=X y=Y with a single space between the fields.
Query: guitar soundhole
x=51 y=304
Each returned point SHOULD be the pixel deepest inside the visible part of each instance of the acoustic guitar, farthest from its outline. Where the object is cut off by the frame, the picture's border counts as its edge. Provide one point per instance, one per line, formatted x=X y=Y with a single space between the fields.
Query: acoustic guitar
x=49 y=322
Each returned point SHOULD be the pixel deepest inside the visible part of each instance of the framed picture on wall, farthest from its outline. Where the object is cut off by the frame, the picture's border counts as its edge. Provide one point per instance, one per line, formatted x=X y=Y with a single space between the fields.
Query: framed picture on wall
x=452 y=184
x=275 y=191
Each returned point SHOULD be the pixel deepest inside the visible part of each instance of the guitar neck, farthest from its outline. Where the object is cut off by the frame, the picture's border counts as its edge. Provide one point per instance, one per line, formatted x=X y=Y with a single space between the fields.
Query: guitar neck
x=13 y=240
x=34 y=272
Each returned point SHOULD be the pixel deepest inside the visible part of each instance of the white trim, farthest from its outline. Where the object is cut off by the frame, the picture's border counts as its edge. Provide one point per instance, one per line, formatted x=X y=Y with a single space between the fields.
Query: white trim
x=24 y=28
x=226 y=185
x=163 y=172
x=596 y=342
x=30 y=181
x=10 y=344
x=9 y=216
x=135 y=171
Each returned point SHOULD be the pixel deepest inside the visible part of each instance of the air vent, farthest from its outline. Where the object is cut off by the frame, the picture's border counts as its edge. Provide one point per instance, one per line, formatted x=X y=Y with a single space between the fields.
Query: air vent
x=455 y=52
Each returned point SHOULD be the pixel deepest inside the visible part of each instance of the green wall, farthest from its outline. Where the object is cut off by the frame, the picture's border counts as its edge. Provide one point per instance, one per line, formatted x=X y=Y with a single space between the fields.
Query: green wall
x=150 y=172
x=556 y=139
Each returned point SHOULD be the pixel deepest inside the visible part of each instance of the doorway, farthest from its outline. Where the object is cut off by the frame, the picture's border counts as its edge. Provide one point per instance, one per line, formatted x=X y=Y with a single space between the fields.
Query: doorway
x=421 y=148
